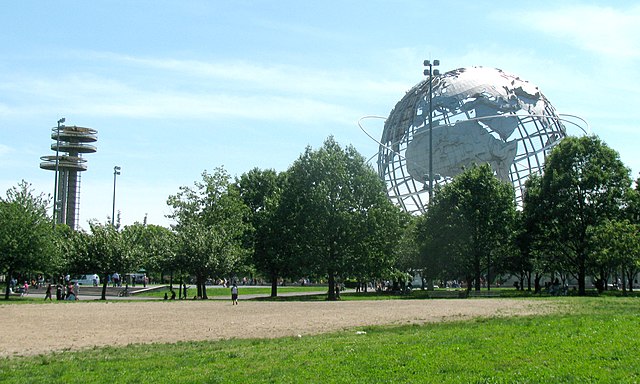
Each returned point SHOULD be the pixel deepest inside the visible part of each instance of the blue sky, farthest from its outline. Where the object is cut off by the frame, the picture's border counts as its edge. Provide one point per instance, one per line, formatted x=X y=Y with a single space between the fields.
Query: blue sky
x=178 y=87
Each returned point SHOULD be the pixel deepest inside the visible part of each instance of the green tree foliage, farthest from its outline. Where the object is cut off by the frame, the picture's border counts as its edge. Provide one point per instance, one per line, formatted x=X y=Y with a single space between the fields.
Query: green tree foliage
x=261 y=191
x=153 y=247
x=103 y=250
x=26 y=234
x=632 y=212
x=211 y=222
x=615 y=245
x=519 y=261
x=467 y=229
x=584 y=184
x=544 y=257
x=408 y=252
x=338 y=218
x=64 y=242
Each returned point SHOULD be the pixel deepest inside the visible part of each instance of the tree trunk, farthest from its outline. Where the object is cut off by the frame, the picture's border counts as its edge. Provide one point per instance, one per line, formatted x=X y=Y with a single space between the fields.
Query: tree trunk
x=476 y=271
x=332 y=287
x=536 y=282
x=274 y=285
x=582 y=275
x=469 y=283
x=7 y=279
x=104 y=287
x=489 y=272
x=198 y=287
x=601 y=281
x=204 y=289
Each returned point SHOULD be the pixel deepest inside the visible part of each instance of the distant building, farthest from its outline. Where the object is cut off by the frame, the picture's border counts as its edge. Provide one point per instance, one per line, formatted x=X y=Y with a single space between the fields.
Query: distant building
x=70 y=143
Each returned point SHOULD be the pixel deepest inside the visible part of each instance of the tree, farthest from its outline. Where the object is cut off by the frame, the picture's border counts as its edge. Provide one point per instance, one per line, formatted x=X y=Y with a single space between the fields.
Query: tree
x=26 y=234
x=468 y=227
x=160 y=245
x=337 y=216
x=211 y=221
x=103 y=250
x=534 y=238
x=260 y=190
x=519 y=262
x=153 y=247
x=616 y=246
x=632 y=211
x=408 y=252
x=584 y=183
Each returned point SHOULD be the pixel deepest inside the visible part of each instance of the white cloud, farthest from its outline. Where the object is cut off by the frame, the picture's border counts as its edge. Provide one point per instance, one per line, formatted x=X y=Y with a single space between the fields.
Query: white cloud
x=602 y=30
x=5 y=150
x=181 y=89
x=259 y=77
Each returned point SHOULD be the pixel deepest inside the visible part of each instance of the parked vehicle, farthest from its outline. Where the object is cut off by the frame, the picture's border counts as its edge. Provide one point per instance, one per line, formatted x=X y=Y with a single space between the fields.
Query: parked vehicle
x=135 y=278
x=87 y=279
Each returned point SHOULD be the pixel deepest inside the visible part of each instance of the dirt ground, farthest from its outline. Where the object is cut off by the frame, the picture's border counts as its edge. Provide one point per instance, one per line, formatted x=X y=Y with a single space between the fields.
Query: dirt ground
x=29 y=329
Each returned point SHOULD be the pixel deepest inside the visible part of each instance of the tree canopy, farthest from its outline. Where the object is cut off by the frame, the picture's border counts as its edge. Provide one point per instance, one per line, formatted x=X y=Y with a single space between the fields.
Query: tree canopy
x=338 y=216
x=105 y=250
x=261 y=191
x=211 y=222
x=26 y=235
x=467 y=227
x=584 y=183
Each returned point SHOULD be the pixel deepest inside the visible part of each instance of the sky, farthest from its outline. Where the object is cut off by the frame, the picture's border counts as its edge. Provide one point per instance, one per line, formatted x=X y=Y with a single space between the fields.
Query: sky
x=175 y=88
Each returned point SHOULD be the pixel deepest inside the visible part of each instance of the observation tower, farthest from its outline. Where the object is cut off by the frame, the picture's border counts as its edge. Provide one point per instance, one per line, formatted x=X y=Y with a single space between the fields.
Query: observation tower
x=70 y=143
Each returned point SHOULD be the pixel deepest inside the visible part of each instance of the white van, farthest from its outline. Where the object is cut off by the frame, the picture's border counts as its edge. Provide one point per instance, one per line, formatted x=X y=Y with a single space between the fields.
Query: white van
x=90 y=279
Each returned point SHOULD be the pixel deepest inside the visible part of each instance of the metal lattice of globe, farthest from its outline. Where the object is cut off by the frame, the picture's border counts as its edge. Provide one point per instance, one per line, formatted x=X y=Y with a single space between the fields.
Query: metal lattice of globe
x=479 y=115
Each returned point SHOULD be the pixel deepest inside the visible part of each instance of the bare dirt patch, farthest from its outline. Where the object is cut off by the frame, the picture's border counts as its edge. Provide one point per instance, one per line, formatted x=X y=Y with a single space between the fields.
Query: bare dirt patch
x=30 y=329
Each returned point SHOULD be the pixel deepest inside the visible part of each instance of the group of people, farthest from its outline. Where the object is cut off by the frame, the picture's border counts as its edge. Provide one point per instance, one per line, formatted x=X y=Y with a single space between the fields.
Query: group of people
x=116 y=280
x=183 y=293
x=22 y=289
x=67 y=291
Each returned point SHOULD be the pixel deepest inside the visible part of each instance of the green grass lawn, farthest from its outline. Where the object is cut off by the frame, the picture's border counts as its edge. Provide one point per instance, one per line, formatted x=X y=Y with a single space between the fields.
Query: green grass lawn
x=592 y=340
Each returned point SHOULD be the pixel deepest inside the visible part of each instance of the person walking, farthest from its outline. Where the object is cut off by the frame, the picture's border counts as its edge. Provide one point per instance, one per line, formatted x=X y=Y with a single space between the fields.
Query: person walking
x=76 y=290
x=47 y=294
x=234 y=294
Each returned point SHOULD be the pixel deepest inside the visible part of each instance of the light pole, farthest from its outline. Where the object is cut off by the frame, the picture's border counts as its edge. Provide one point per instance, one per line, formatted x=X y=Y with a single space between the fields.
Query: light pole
x=116 y=172
x=55 y=184
x=430 y=72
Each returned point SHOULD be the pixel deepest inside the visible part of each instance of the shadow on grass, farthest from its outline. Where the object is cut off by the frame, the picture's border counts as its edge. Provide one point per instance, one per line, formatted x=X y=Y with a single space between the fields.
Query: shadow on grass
x=347 y=296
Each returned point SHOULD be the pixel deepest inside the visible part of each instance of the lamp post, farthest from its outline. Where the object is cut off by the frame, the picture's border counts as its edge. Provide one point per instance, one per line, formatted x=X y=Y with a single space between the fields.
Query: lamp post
x=430 y=72
x=55 y=184
x=116 y=172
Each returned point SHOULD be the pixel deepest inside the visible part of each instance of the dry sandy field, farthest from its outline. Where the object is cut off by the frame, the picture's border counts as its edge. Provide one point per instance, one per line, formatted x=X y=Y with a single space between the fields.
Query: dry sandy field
x=29 y=329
